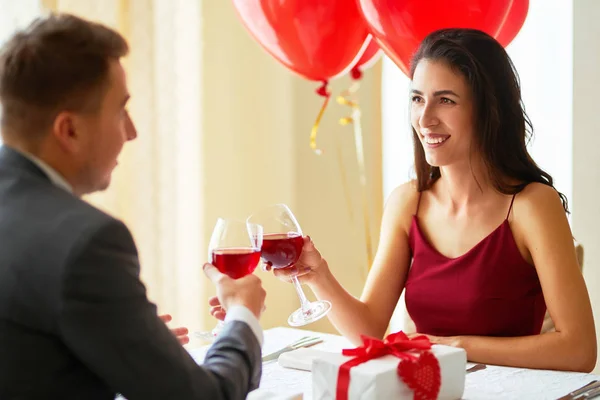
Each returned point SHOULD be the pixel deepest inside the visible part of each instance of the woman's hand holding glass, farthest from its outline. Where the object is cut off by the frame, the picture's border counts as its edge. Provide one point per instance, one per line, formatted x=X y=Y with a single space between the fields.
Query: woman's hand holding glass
x=283 y=248
x=309 y=268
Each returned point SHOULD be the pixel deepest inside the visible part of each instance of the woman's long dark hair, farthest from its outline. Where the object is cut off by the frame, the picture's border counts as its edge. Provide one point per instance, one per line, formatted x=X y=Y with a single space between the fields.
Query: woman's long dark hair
x=502 y=127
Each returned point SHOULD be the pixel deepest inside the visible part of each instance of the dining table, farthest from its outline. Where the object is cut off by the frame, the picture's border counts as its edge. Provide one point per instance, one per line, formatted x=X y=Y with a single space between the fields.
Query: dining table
x=490 y=383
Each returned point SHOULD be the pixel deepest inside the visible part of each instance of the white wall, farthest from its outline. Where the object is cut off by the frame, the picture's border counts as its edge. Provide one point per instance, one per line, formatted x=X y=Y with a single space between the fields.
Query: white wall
x=542 y=53
x=586 y=142
x=257 y=118
x=16 y=14
x=543 y=56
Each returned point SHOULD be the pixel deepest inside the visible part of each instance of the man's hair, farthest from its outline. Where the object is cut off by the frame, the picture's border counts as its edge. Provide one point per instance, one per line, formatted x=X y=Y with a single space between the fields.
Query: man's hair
x=60 y=62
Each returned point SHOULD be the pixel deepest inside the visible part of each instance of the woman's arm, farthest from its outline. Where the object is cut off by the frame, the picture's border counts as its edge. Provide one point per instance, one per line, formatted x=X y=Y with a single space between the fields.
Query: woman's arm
x=540 y=220
x=369 y=315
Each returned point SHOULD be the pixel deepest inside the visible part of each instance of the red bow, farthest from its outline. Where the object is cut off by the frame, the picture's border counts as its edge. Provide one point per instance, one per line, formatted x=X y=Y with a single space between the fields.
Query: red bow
x=397 y=344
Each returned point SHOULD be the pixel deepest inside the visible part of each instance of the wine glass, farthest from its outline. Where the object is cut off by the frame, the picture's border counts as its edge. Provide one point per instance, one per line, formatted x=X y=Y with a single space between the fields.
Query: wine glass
x=281 y=247
x=234 y=248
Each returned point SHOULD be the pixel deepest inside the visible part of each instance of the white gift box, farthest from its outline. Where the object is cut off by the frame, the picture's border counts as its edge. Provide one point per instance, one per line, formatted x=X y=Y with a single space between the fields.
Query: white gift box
x=379 y=379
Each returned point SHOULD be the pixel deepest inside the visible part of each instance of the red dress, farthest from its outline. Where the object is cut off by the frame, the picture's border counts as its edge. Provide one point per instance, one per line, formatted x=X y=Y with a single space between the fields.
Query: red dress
x=489 y=291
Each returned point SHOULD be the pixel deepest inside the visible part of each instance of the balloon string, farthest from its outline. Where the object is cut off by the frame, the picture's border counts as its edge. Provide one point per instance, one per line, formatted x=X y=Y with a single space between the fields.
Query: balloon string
x=355 y=120
x=321 y=91
x=344 y=179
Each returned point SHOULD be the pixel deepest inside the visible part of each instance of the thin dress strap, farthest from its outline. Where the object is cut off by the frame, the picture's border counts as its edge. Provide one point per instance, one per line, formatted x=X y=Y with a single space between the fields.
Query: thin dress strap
x=511 y=204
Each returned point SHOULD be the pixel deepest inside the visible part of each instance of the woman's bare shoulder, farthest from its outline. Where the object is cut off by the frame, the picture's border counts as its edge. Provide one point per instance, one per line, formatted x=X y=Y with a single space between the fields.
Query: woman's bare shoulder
x=539 y=217
x=404 y=195
x=538 y=198
x=401 y=205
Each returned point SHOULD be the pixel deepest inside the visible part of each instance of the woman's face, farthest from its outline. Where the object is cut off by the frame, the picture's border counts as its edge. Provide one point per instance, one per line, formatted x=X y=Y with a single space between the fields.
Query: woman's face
x=442 y=113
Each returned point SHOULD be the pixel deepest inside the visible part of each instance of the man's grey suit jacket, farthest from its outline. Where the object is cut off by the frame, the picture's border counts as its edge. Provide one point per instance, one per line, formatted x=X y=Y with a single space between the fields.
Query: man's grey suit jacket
x=75 y=322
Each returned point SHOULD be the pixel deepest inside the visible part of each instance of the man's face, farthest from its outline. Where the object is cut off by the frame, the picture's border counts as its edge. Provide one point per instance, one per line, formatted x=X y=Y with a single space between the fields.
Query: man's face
x=104 y=133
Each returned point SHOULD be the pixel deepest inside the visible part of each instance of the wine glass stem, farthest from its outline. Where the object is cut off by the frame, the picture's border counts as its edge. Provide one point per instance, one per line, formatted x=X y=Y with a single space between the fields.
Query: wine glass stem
x=304 y=303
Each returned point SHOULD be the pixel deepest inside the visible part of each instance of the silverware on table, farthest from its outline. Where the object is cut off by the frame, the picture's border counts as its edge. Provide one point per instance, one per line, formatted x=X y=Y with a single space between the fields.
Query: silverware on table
x=306 y=341
x=590 y=394
x=588 y=391
x=476 y=367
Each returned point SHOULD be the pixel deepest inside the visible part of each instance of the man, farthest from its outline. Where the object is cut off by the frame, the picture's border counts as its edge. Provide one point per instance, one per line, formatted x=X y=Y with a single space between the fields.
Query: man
x=75 y=322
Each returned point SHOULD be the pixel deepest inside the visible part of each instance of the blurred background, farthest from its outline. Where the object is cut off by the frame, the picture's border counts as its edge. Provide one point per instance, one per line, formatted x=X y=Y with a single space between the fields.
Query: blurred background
x=224 y=130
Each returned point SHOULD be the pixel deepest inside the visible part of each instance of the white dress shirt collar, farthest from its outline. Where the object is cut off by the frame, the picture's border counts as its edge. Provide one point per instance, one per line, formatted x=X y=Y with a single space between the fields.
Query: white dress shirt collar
x=56 y=178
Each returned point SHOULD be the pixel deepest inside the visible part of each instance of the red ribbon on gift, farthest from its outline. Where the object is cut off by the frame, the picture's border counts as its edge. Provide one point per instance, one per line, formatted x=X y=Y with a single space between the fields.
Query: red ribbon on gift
x=420 y=373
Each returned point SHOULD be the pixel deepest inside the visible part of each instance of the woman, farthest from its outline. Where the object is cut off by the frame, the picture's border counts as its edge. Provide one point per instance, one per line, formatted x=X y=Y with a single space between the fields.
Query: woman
x=482 y=225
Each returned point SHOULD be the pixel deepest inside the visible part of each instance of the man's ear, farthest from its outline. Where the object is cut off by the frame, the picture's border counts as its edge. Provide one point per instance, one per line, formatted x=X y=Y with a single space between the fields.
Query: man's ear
x=65 y=131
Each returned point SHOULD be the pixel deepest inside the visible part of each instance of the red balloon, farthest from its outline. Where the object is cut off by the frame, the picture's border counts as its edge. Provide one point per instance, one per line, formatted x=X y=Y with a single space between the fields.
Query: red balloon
x=315 y=38
x=514 y=22
x=400 y=26
x=371 y=54
x=367 y=59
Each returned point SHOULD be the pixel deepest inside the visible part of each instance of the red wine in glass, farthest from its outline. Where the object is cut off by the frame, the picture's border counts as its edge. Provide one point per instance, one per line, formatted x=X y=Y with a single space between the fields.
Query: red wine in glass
x=236 y=262
x=282 y=246
x=282 y=250
x=234 y=248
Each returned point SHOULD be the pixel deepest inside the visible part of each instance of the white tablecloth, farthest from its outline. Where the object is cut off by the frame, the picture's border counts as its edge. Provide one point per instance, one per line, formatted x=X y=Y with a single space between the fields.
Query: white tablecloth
x=492 y=383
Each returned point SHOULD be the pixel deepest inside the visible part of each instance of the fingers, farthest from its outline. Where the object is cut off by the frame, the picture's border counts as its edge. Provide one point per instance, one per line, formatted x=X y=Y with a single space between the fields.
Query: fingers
x=285 y=274
x=184 y=339
x=294 y=270
x=416 y=335
x=220 y=315
x=308 y=244
x=212 y=272
x=214 y=301
x=181 y=334
x=218 y=312
x=267 y=266
x=180 y=331
x=300 y=270
x=165 y=318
